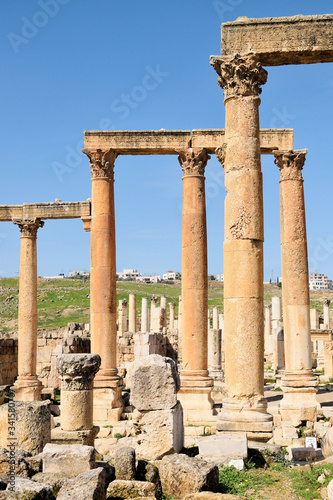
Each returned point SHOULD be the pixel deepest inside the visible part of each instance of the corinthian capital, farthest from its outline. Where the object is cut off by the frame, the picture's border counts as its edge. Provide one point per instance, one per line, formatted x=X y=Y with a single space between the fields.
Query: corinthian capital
x=101 y=162
x=241 y=75
x=29 y=227
x=220 y=153
x=290 y=163
x=193 y=161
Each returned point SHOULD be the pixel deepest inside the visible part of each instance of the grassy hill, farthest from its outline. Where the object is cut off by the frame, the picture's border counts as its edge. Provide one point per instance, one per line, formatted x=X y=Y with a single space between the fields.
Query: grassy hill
x=62 y=301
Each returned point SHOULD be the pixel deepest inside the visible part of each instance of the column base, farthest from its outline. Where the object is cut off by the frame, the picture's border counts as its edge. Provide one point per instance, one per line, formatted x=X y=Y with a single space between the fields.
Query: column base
x=299 y=403
x=108 y=403
x=246 y=416
x=197 y=405
x=27 y=389
x=83 y=437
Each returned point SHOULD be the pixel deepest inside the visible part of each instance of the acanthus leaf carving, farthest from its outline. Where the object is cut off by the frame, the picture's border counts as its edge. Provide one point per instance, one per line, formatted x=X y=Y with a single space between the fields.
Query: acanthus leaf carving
x=193 y=161
x=290 y=163
x=101 y=162
x=29 y=227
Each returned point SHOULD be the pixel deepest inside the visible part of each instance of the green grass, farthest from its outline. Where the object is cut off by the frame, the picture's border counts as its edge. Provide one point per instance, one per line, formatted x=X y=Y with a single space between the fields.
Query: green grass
x=305 y=480
x=237 y=482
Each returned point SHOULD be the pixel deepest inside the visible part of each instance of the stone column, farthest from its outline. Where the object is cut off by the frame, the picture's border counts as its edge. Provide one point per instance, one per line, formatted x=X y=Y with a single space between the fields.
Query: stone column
x=132 y=313
x=215 y=318
x=153 y=307
x=245 y=408
x=122 y=316
x=172 y=316
x=298 y=382
x=144 y=315
x=327 y=314
x=195 y=382
x=103 y=286
x=77 y=373
x=163 y=311
x=27 y=386
x=268 y=330
x=314 y=319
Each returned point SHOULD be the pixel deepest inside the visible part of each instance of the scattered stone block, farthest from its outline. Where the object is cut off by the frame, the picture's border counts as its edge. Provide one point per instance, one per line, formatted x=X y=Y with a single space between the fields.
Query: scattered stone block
x=130 y=489
x=154 y=383
x=55 y=481
x=303 y=454
x=146 y=471
x=181 y=475
x=32 y=428
x=124 y=462
x=207 y=495
x=327 y=443
x=30 y=490
x=232 y=445
x=22 y=467
x=86 y=486
x=67 y=458
x=330 y=490
x=237 y=463
x=158 y=432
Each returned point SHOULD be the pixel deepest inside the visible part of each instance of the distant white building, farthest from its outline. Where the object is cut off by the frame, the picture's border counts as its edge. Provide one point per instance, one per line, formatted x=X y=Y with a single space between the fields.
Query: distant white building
x=170 y=275
x=219 y=277
x=149 y=279
x=58 y=277
x=318 y=281
x=132 y=274
x=77 y=274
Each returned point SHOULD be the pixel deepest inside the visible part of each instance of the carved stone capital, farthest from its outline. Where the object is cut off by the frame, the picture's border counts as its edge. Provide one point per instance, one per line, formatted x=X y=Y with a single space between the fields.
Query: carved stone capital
x=193 y=161
x=290 y=163
x=327 y=302
x=154 y=299
x=29 y=227
x=101 y=162
x=220 y=153
x=241 y=75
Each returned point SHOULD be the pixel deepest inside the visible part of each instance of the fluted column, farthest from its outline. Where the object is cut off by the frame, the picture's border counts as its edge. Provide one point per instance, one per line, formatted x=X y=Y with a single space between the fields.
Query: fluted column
x=194 y=375
x=103 y=306
x=245 y=406
x=27 y=386
x=298 y=383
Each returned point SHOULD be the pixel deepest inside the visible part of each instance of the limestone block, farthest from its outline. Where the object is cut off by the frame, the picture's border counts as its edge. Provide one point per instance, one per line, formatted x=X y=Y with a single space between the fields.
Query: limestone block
x=327 y=443
x=330 y=490
x=121 y=489
x=30 y=490
x=65 y=458
x=225 y=444
x=148 y=472
x=32 y=427
x=55 y=481
x=181 y=475
x=158 y=432
x=124 y=462
x=154 y=383
x=85 y=486
x=303 y=454
x=22 y=467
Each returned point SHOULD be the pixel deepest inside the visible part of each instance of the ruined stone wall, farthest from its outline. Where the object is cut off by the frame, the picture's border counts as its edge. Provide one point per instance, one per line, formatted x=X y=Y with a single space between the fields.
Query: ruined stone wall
x=8 y=358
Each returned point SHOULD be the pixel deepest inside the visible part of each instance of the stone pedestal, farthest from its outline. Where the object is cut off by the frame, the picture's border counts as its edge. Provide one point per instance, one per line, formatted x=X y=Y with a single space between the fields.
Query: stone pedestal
x=144 y=315
x=245 y=408
x=103 y=286
x=27 y=386
x=298 y=382
x=194 y=375
x=132 y=313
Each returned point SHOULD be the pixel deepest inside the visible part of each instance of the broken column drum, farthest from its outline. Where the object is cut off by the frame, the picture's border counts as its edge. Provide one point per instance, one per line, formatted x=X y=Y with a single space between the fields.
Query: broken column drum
x=244 y=408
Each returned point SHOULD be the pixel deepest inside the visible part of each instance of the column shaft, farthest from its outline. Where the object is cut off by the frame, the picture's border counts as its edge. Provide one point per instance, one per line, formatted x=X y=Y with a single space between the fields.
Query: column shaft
x=132 y=313
x=28 y=387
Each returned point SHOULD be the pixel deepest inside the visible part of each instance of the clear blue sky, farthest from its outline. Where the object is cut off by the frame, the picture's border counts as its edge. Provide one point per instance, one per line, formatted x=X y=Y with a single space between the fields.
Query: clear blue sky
x=67 y=65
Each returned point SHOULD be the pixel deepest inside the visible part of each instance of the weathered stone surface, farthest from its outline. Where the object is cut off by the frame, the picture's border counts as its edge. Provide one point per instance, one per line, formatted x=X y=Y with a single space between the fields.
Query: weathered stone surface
x=77 y=371
x=327 y=443
x=224 y=444
x=130 y=489
x=22 y=467
x=158 y=432
x=154 y=383
x=86 y=486
x=110 y=473
x=124 y=462
x=36 y=463
x=68 y=458
x=30 y=490
x=54 y=480
x=181 y=475
x=32 y=427
x=330 y=490
x=302 y=454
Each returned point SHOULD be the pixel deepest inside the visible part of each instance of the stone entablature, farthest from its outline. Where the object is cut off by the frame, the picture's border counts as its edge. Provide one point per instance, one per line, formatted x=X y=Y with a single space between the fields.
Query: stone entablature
x=61 y=210
x=165 y=142
x=281 y=40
